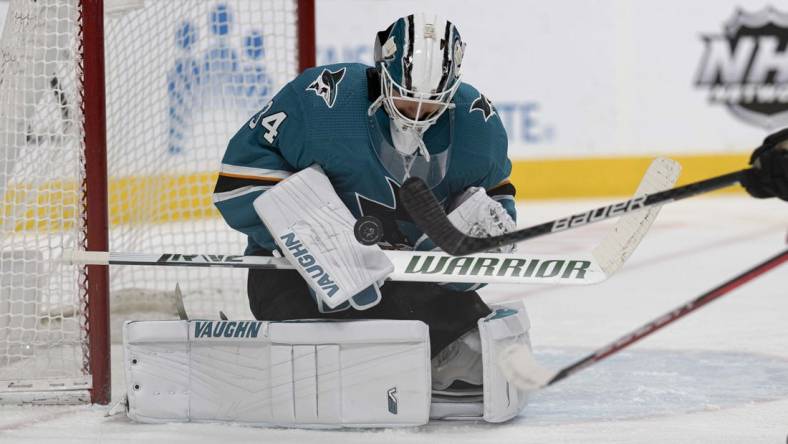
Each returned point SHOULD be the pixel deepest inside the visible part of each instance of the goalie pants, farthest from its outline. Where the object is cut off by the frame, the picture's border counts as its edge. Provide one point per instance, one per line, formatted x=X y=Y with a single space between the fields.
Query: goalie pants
x=279 y=295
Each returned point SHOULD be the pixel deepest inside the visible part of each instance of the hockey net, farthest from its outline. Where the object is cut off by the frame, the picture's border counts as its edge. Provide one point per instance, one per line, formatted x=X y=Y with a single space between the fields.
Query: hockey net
x=181 y=77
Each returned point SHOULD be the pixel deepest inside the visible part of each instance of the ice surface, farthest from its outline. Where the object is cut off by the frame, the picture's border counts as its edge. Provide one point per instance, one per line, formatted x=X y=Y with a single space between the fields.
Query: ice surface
x=652 y=382
x=719 y=375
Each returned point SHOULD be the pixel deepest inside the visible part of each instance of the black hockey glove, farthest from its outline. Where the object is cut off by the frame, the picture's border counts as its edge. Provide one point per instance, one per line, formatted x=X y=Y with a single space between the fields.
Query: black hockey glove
x=769 y=174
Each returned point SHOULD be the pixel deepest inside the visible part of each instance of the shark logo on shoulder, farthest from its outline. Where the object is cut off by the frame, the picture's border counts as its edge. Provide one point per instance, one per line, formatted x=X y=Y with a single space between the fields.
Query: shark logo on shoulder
x=483 y=105
x=309 y=263
x=327 y=85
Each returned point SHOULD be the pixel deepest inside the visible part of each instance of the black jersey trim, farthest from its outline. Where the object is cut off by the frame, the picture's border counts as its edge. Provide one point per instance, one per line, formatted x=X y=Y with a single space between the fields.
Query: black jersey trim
x=373 y=84
x=229 y=183
x=503 y=189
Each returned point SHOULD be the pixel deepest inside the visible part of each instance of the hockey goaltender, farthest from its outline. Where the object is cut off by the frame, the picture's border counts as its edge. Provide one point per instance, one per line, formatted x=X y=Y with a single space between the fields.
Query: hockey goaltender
x=332 y=345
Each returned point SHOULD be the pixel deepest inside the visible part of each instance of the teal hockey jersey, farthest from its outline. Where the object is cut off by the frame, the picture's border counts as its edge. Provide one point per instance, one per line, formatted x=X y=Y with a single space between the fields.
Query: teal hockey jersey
x=321 y=117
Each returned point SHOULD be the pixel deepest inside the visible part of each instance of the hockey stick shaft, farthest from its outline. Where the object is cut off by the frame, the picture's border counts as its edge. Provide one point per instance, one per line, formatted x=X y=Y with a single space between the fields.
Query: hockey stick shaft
x=669 y=317
x=415 y=266
x=428 y=214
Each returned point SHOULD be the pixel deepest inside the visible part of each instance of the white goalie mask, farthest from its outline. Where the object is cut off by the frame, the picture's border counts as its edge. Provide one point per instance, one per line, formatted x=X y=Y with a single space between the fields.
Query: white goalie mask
x=419 y=58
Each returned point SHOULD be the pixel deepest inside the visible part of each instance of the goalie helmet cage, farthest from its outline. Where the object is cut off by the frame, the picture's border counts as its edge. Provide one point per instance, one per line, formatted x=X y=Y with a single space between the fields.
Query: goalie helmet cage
x=133 y=169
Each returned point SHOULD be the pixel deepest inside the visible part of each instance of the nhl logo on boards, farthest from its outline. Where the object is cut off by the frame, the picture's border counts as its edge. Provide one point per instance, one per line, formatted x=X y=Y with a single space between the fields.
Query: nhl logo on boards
x=746 y=67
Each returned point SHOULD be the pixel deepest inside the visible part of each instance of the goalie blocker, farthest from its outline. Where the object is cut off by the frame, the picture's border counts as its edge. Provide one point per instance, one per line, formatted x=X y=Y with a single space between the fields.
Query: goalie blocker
x=321 y=374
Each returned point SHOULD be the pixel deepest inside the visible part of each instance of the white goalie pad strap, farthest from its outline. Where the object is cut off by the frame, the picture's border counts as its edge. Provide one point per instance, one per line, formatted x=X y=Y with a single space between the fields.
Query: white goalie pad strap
x=314 y=230
x=296 y=374
x=507 y=325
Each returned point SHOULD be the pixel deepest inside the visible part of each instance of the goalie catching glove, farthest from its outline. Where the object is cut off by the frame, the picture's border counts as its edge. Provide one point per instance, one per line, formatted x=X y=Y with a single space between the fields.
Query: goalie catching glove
x=477 y=214
x=769 y=174
x=314 y=231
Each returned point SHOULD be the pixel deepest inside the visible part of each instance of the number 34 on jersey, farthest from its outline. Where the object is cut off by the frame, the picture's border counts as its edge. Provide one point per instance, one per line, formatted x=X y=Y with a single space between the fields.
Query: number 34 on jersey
x=270 y=123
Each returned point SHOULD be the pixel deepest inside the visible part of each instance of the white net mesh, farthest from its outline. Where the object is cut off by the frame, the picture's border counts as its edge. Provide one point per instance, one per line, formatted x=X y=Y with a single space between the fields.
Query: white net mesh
x=200 y=71
x=181 y=77
x=41 y=172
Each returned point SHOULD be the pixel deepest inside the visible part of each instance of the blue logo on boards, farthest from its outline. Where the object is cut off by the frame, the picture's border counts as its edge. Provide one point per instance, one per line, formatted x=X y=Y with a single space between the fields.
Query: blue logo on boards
x=217 y=66
x=524 y=122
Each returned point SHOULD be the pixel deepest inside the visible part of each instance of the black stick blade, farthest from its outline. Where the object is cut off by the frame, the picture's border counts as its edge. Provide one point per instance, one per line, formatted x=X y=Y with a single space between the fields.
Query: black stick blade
x=428 y=214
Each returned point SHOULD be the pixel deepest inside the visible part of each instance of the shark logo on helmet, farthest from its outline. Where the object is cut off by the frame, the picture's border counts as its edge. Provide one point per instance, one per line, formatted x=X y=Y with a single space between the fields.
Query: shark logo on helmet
x=459 y=52
x=389 y=49
x=327 y=85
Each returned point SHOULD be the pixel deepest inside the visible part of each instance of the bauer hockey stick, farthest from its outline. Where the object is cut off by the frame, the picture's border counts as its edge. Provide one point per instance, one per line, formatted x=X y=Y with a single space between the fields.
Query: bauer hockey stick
x=522 y=370
x=428 y=214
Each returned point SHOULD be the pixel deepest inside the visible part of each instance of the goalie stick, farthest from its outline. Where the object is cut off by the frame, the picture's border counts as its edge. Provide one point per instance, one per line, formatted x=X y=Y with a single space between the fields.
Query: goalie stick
x=428 y=266
x=428 y=214
x=565 y=269
x=522 y=369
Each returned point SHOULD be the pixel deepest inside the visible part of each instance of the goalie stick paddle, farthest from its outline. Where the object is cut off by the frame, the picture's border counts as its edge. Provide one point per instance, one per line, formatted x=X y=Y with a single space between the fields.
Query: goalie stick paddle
x=428 y=214
x=520 y=367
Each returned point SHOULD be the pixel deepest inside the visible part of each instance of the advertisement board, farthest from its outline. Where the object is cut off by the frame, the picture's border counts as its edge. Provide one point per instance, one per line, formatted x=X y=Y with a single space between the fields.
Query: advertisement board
x=588 y=91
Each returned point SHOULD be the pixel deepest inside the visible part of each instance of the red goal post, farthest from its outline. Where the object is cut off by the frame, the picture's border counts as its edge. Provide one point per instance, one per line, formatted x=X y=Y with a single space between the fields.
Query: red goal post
x=150 y=120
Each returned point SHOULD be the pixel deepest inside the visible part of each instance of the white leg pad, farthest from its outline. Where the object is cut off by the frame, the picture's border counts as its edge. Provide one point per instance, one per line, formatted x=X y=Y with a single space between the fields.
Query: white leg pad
x=498 y=400
x=507 y=325
x=372 y=373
